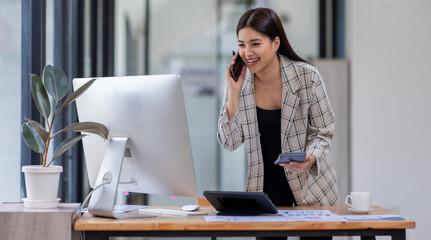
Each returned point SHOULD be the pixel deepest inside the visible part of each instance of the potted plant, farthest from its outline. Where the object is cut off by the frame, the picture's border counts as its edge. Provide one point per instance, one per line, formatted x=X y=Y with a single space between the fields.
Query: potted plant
x=42 y=180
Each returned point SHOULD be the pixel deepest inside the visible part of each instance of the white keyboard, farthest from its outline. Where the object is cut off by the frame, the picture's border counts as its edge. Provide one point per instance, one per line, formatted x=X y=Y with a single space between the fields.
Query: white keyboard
x=127 y=208
x=163 y=211
x=127 y=215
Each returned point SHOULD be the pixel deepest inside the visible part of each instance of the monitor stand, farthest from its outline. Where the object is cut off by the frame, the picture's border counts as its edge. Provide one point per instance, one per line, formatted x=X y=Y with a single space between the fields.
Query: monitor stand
x=103 y=199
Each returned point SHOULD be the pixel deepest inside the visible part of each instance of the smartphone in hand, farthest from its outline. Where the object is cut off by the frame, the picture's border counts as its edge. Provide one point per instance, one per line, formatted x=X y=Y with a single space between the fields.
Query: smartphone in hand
x=236 y=68
x=288 y=157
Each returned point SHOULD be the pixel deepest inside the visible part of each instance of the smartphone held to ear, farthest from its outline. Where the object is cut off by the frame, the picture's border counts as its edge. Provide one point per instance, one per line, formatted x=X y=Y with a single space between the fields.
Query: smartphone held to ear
x=236 y=68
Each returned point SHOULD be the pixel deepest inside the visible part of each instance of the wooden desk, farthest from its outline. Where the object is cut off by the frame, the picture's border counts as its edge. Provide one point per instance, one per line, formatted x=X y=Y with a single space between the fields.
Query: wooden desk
x=174 y=226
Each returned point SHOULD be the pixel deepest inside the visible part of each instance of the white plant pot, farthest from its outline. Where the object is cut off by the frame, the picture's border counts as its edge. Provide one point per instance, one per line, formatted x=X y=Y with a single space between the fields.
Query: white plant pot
x=41 y=186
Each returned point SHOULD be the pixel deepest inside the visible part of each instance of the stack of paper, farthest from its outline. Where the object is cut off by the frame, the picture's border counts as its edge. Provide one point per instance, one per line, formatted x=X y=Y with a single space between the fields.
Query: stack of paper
x=302 y=216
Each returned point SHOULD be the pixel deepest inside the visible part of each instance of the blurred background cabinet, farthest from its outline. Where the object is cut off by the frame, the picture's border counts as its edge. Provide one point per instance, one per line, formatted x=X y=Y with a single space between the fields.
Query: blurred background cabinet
x=19 y=223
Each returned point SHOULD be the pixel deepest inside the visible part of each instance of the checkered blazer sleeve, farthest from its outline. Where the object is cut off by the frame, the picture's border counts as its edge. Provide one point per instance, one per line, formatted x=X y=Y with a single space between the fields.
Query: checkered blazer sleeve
x=229 y=133
x=321 y=122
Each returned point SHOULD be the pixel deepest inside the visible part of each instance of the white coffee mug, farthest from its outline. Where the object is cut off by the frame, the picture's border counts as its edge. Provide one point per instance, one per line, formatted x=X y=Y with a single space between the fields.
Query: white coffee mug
x=359 y=200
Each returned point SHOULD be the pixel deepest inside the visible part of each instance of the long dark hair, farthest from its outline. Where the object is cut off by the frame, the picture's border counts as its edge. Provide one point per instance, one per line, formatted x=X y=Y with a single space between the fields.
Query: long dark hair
x=266 y=21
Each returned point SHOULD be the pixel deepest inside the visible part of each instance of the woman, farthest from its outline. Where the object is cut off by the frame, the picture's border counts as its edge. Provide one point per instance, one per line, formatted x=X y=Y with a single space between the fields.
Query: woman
x=278 y=105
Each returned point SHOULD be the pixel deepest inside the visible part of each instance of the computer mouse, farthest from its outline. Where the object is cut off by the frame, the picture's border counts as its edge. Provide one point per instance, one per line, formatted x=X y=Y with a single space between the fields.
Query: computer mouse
x=191 y=208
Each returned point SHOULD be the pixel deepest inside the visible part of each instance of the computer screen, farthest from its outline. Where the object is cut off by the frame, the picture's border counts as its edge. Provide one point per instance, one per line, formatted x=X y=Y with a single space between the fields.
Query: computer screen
x=148 y=132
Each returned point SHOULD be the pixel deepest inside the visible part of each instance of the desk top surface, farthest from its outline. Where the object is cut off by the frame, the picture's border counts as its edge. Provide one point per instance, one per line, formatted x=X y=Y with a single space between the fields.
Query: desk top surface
x=88 y=222
x=19 y=208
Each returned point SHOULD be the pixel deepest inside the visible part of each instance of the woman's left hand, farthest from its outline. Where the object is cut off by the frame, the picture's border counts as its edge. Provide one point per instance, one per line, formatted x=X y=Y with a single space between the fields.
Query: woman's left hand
x=300 y=167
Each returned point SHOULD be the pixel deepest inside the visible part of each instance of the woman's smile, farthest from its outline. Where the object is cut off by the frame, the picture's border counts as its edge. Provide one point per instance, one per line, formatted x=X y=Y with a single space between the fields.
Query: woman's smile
x=252 y=61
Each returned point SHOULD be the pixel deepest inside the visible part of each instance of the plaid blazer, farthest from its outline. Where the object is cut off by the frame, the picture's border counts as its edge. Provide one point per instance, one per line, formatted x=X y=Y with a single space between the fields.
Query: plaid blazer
x=307 y=125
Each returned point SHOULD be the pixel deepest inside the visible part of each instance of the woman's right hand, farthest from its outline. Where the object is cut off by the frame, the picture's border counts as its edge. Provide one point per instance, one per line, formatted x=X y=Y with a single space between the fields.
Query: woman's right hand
x=234 y=86
x=234 y=89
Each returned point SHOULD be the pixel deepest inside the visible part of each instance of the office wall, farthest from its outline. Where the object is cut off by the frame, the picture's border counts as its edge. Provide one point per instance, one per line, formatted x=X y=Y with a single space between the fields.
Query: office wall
x=389 y=47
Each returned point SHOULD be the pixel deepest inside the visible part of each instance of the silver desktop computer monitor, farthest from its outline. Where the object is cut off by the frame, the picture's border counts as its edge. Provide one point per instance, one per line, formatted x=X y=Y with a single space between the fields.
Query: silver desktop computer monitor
x=148 y=149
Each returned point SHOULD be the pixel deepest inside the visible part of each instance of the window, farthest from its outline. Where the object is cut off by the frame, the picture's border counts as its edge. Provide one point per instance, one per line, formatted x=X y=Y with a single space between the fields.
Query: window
x=10 y=99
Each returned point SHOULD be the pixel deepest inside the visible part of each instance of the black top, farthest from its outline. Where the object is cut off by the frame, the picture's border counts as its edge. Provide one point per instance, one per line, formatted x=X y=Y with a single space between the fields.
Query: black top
x=275 y=184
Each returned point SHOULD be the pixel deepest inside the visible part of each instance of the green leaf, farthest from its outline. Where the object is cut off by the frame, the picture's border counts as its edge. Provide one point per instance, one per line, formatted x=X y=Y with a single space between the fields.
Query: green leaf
x=32 y=138
x=39 y=129
x=55 y=81
x=65 y=145
x=77 y=93
x=40 y=96
x=89 y=127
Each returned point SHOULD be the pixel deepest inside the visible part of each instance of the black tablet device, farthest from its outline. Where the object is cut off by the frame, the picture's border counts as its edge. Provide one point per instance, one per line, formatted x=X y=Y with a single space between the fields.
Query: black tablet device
x=288 y=157
x=240 y=203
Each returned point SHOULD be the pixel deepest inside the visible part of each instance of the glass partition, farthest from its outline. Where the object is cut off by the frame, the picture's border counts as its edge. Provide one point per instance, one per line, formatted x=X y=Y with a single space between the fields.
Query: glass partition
x=195 y=39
